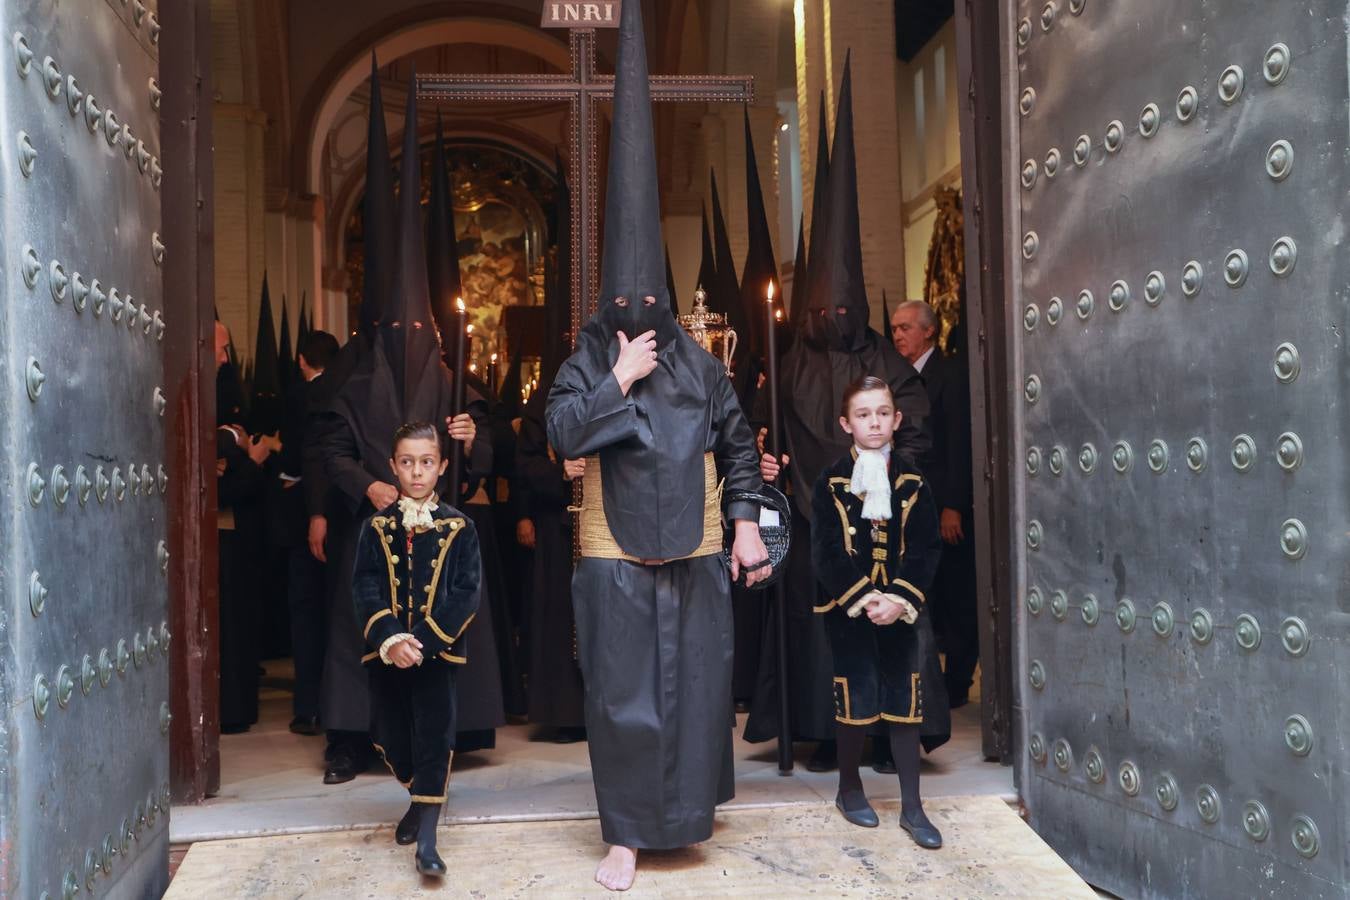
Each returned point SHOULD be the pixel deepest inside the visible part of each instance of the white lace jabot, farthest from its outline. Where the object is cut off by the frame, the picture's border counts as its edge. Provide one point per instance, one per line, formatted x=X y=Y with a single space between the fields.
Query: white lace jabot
x=417 y=515
x=871 y=481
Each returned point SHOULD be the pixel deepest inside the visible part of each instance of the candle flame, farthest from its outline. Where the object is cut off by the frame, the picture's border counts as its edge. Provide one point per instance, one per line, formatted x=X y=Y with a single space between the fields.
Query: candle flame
x=494 y=357
x=469 y=330
x=778 y=314
x=473 y=367
x=770 y=292
x=459 y=303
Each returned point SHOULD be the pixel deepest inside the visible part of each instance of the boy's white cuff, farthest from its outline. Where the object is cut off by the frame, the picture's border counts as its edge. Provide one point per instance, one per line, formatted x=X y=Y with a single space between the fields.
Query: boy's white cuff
x=389 y=643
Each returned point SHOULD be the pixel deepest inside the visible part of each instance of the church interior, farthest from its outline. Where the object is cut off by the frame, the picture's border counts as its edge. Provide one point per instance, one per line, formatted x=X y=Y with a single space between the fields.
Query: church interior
x=292 y=103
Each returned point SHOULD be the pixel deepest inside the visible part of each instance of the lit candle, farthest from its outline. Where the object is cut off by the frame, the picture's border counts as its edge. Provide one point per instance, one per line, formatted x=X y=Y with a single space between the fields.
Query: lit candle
x=457 y=404
x=771 y=365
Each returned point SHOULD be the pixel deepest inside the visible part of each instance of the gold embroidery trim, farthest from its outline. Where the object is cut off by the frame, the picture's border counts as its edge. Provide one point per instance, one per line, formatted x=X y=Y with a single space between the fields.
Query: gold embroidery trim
x=907 y=505
x=858 y=587
x=378 y=523
x=385 y=759
x=911 y=588
x=369 y=656
x=597 y=540
x=452 y=659
x=455 y=532
x=370 y=623
x=843 y=512
x=423 y=798
x=848 y=709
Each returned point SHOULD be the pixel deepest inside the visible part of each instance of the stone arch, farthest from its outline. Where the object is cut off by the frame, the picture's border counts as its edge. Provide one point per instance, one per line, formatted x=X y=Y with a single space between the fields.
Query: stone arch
x=397 y=38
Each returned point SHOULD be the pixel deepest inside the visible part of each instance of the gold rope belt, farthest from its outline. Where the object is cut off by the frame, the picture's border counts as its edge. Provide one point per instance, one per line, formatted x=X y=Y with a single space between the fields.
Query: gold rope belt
x=597 y=541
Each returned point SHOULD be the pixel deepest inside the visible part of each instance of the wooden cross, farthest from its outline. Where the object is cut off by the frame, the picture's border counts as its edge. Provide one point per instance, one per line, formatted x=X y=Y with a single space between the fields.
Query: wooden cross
x=581 y=89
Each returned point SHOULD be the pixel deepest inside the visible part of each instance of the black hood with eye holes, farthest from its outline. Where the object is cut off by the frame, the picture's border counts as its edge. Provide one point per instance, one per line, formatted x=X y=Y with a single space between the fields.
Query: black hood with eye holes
x=653 y=481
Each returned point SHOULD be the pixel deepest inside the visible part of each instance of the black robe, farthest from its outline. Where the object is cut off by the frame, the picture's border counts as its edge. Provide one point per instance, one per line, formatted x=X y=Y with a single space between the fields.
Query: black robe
x=655 y=641
x=240 y=493
x=542 y=495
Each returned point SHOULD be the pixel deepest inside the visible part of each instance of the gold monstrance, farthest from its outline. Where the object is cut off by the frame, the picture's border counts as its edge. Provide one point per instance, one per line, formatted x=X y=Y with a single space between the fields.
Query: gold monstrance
x=710 y=330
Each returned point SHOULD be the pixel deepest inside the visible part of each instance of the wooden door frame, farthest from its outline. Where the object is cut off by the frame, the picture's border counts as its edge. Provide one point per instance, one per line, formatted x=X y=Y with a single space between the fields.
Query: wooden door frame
x=189 y=379
x=984 y=130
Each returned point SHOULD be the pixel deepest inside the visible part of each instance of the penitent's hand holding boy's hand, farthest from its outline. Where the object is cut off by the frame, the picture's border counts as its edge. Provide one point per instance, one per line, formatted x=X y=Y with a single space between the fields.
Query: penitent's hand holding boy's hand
x=405 y=654
x=637 y=359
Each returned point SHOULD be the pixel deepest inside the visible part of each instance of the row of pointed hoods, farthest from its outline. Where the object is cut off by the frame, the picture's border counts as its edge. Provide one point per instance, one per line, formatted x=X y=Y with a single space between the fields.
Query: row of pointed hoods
x=258 y=385
x=836 y=278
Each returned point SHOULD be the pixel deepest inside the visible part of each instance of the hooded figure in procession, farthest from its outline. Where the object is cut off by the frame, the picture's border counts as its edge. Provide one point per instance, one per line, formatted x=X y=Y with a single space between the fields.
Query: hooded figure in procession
x=399 y=379
x=659 y=425
x=542 y=489
x=833 y=347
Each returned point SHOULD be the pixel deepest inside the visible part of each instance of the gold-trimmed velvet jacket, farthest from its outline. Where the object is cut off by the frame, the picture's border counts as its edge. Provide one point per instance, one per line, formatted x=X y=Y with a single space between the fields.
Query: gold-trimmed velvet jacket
x=852 y=555
x=424 y=584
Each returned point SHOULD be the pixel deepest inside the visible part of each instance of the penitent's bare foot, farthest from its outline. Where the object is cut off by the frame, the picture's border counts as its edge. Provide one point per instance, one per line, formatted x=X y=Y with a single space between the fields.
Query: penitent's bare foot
x=618 y=869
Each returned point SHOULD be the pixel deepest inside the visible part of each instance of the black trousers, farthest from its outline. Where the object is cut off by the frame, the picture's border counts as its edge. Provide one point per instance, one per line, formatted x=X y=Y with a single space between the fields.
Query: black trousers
x=305 y=593
x=413 y=725
x=955 y=619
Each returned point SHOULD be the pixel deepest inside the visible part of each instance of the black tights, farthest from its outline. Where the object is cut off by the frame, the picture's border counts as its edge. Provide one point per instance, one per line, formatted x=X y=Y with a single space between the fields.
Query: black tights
x=904 y=747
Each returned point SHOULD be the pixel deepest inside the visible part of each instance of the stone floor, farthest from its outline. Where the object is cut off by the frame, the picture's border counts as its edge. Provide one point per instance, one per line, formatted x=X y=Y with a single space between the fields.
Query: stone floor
x=271 y=781
x=787 y=851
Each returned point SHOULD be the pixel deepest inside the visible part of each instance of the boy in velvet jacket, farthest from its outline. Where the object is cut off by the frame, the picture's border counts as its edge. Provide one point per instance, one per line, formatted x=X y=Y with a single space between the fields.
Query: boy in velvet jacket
x=416 y=591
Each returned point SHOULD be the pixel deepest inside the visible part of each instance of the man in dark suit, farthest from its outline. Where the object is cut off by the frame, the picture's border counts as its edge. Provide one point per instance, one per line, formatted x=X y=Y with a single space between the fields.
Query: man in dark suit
x=304 y=489
x=915 y=328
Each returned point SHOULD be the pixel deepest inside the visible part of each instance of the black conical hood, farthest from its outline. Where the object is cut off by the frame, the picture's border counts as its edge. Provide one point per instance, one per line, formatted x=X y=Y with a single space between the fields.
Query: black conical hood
x=286 y=358
x=557 y=300
x=760 y=267
x=726 y=286
x=303 y=329
x=670 y=286
x=377 y=214
x=707 y=267
x=408 y=339
x=812 y=294
x=632 y=264
x=885 y=314
x=266 y=375
x=841 y=265
x=443 y=275
x=800 y=274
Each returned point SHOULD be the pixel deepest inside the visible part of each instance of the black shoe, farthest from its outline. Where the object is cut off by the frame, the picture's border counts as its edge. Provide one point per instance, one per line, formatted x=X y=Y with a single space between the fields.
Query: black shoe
x=925 y=834
x=429 y=862
x=406 y=832
x=306 y=725
x=856 y=809
x=341 y=768
x=570 y=735
x=824 y=759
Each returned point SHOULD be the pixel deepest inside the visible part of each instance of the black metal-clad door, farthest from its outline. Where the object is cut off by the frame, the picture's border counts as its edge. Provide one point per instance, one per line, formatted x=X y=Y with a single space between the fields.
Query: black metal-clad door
x=84 y=792
x=1180 y=302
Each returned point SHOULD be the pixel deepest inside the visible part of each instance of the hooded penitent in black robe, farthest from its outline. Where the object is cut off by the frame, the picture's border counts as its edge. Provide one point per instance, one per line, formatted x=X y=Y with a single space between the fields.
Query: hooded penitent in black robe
x=542 y=495
x=654 y=641
x=482 y=683
x=400 y=379
x=834 y=347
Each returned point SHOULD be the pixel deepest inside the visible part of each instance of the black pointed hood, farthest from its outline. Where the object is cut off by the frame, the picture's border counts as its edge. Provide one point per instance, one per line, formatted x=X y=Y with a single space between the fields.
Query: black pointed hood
x=557 y=301
x=800 y=275
x=264 y=386
x=508 y=398
x=443 y=274
x=811 y=288
x=670 y=286
x=303 y=329
x=286 y=358
x=407 y=334
x=885 y=314
x=632 y=262
x=840 y=264
x=760 y=267
x=653 y=481
x=707 y=266
x=726 y=286
x=378 y=216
